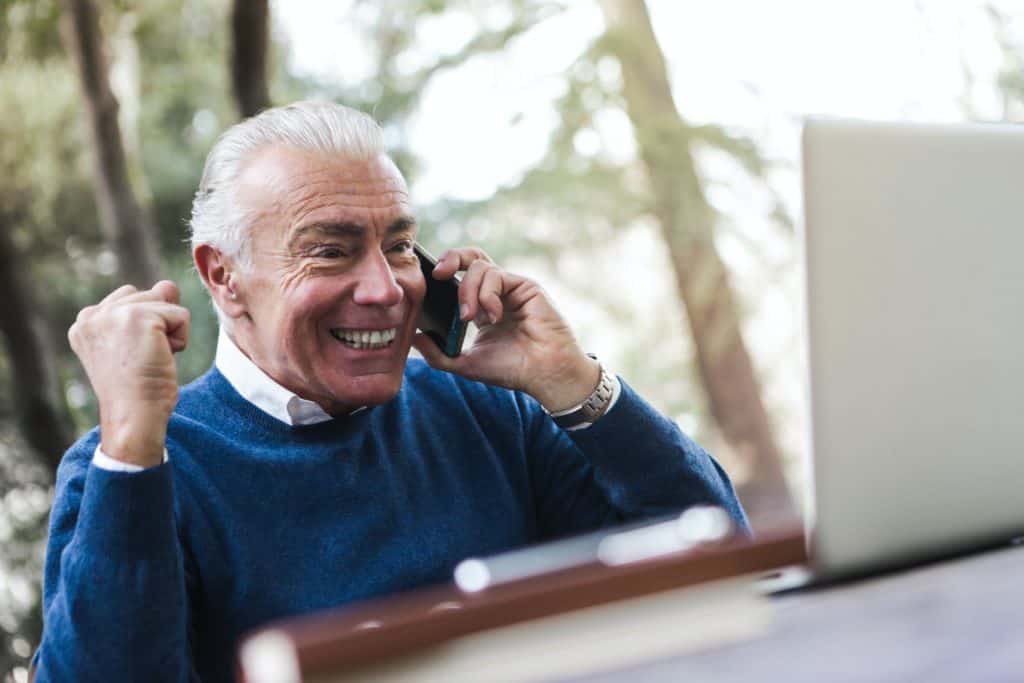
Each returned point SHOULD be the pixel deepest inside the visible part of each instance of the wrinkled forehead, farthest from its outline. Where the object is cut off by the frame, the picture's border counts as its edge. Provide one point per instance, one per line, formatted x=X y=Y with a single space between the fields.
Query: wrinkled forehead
x=291 y=182
x=288 y=188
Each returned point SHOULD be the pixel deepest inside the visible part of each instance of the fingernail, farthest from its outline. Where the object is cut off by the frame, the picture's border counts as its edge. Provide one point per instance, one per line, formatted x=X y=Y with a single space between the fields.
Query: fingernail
x=464 y=311
x=493 y=317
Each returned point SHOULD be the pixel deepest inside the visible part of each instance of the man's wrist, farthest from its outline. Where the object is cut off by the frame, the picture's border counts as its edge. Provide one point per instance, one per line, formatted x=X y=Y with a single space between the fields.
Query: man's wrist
x=105 y=462
x=562 y=391
x=139 y=444
x=594 y=407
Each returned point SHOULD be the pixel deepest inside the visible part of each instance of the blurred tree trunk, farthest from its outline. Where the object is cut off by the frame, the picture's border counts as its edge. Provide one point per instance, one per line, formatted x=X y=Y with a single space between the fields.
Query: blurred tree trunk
x=687 y=225
x=129 y=228
x=250 y=28
x=42 y=415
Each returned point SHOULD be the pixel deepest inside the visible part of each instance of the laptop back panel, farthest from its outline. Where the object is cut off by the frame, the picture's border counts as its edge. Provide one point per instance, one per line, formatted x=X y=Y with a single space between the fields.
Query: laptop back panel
x=915 y=293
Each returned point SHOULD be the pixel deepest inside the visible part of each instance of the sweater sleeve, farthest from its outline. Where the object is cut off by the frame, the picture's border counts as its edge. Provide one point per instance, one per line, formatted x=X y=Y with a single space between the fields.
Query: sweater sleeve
x=114 y=599
x=631 y=464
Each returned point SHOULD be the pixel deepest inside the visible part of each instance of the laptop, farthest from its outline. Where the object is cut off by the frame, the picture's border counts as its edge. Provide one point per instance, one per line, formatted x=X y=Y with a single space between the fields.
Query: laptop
x=915 y=297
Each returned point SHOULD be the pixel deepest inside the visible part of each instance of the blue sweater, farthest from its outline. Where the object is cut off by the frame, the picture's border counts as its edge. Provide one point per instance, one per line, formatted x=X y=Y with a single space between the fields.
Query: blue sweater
x=153 y=576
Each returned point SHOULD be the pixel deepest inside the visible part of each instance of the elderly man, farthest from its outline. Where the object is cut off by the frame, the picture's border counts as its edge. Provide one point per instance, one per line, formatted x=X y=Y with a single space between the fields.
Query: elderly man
x=315 y=465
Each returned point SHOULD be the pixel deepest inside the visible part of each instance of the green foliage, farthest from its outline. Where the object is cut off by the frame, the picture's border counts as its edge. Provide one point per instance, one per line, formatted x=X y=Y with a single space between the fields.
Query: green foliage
x=28 y=30
x=185 y=101
x=41 y=159
x=46 y=199
x=25 y=496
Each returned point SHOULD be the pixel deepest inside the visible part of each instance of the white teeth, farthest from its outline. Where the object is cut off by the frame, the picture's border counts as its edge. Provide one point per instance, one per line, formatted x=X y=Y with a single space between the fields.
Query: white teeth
x=365 y=339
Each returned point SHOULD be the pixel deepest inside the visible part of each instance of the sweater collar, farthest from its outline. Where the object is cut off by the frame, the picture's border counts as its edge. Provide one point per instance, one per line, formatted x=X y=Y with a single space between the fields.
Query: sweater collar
x=256 y=387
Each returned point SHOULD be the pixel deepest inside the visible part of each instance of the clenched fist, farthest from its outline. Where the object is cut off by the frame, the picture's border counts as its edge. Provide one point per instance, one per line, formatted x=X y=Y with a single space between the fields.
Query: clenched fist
x=127 y=344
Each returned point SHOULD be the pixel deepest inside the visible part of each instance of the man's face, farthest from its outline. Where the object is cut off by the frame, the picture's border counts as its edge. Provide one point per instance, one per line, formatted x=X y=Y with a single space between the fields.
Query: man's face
x=334 y=289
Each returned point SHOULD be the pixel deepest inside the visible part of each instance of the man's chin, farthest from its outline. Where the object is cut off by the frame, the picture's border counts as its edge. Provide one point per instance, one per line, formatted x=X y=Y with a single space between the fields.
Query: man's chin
x=361 y=378
x=367 y=390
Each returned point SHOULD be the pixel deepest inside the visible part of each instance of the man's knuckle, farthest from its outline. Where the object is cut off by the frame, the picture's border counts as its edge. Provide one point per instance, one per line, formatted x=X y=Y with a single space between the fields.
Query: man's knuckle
x=85 y=314
x=129 y=316
x=481 y=254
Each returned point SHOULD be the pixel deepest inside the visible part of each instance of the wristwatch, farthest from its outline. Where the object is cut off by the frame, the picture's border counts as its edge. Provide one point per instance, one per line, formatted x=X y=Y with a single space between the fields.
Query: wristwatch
x=593 y=407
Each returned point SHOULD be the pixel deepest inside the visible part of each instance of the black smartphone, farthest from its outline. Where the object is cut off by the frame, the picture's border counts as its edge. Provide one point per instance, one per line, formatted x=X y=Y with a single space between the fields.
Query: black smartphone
x=439 y=318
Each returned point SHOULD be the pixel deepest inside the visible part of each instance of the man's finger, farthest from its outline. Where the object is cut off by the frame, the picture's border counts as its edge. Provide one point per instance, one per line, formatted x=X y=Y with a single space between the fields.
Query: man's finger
x=458 y=259
x=119 y=293
x=164 y=291
x=145 y=296
x=178 y=330
x=175 y=320
x=469 y=289
x=168 y=290
x=491 y=290
x=431 y=353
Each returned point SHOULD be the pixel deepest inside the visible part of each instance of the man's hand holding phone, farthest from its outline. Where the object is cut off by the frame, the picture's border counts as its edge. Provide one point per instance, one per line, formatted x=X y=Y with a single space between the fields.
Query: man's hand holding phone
x=523 y=342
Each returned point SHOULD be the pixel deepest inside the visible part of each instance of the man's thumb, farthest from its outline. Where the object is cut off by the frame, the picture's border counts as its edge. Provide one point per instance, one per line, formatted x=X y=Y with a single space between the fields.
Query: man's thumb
x=431 y=353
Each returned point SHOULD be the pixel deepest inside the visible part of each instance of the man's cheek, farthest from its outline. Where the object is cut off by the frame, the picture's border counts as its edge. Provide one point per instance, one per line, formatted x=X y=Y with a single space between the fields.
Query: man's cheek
x=291 y=269
x=415 y=289
x=297 y=335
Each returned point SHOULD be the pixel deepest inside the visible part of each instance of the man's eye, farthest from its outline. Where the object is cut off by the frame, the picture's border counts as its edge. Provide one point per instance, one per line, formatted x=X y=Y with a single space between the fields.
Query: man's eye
x=403 y=247
x=327 y=252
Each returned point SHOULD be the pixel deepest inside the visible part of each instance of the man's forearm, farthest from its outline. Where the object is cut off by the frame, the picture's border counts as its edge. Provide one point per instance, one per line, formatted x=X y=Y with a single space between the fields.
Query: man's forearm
x=116 y=603
x=649 y=466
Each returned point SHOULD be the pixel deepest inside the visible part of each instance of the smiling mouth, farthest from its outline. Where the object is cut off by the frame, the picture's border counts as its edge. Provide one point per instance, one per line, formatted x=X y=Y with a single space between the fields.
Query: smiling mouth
x=365 y=339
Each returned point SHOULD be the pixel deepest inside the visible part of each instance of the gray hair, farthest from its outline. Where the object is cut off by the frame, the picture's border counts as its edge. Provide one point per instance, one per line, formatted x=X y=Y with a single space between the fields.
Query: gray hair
x=314 y=126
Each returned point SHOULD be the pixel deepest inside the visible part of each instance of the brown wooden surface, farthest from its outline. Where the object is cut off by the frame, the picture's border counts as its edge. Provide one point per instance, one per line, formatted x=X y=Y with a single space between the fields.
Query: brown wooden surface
x=357 y=634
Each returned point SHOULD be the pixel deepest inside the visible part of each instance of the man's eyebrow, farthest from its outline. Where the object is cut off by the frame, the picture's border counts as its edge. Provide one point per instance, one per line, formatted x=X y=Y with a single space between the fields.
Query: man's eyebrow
x=349 y=229
x=336 y=229
x=401 y=225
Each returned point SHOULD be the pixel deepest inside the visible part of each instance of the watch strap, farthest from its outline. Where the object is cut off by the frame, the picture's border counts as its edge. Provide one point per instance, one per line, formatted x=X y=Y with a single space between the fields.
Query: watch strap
x=593 y=407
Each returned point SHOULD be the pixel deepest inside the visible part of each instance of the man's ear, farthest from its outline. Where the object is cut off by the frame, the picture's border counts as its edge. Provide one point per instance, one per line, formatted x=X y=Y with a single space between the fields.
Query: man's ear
x=220 y=275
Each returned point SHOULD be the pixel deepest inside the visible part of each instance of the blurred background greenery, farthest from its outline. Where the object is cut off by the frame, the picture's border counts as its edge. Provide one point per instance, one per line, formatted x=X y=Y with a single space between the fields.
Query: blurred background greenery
x=639 y=159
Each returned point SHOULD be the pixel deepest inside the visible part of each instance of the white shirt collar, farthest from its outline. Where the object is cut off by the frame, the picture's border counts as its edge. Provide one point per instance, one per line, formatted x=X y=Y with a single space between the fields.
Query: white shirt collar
x=256 y=387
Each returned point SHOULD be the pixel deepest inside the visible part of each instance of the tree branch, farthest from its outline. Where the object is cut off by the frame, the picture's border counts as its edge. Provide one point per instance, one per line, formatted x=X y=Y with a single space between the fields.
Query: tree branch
x=128 y=226
x=250 y=38
x=42 y=415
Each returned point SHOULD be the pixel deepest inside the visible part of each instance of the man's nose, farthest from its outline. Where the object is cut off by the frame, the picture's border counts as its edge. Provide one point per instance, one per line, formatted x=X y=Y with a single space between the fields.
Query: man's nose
x=376 y=284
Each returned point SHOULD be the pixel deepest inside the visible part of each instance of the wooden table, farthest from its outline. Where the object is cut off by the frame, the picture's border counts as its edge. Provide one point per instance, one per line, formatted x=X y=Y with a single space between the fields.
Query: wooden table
x=585 y=618
x=956 y=620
